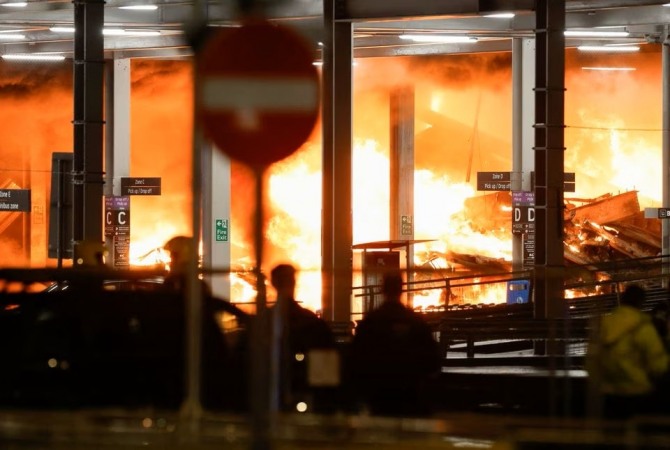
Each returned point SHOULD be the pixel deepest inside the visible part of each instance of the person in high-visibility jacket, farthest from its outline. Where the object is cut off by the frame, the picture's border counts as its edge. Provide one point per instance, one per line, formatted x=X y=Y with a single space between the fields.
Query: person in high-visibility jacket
x=626 y=357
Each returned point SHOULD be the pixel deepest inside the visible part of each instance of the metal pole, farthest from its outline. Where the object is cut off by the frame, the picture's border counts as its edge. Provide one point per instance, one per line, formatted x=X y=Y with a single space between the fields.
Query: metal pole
x=89 y=66
x=517 y=137
x=264 y=383
x=337 y=232
x=665 y=225
x=191 y=409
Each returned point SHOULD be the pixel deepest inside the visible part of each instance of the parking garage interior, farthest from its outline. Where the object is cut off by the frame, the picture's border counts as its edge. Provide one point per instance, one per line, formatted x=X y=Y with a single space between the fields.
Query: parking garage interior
x=518 y=87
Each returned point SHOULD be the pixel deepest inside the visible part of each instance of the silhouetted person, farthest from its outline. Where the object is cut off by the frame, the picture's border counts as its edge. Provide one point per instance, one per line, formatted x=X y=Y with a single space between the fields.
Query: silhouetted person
x=302 y=335
x=220 y=367
x=626 y=356
x=394 y=358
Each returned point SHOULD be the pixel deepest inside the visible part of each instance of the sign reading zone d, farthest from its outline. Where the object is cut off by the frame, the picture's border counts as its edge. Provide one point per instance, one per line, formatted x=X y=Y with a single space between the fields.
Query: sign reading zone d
x=258 y=92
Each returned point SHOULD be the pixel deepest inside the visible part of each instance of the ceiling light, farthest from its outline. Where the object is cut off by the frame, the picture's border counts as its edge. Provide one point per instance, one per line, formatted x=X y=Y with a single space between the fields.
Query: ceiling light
x=503 y=15
x=610 y=69
x=122 y=32
x=577 y=33
x=143 y=33
x=437 y=38
x=14 y=4
x=113 y=31
x=140 y=7
x=608 y=48
x=11 y=37
x=62 y=29
x=33 y=57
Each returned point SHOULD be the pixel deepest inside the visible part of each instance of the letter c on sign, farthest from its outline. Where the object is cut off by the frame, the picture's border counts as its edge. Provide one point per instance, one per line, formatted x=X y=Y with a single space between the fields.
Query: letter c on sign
x=122 y=218
x=108 y=217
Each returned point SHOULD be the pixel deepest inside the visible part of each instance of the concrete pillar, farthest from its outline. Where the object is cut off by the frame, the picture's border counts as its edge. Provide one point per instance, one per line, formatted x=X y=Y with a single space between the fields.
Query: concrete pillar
x=216 y=229
x=401 y=162
x=523 y=117
x=117 y=136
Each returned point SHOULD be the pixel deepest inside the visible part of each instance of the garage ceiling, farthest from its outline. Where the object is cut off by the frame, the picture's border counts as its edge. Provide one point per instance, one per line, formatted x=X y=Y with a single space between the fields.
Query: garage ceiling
x=378 y=24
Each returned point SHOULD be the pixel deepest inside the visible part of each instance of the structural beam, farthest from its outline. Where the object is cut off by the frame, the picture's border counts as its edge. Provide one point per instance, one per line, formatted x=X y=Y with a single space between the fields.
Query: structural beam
x=549 y=157
x=373 y=9
x=337 y=103
x=89 y=66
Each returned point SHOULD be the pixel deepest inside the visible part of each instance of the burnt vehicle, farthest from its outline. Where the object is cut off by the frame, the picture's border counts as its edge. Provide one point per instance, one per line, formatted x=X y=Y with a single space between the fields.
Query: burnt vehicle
x=109 y=339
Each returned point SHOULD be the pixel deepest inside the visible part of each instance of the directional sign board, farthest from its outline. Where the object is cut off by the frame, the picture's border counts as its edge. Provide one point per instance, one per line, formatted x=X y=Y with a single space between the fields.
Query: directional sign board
x=493 y=181
x=117 y=229
x=258 y=91
x=141 y=186
x=523 y=212
x=15 y=200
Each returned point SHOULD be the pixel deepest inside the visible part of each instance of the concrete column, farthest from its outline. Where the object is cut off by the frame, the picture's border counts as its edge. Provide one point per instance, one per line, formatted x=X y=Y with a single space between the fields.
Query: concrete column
x=401 y=162
x=523 y=116
x=216 y=227
x=117 y=136
x=118 y=126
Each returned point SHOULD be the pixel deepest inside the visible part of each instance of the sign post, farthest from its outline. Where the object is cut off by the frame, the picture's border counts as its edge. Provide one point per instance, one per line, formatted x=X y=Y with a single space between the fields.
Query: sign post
x=257 y=97
x=117 y=229
x=523 y=223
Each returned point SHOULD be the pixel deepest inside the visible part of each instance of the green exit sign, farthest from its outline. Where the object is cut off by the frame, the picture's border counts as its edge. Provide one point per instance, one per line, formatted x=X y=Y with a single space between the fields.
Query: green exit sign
x=221 y=230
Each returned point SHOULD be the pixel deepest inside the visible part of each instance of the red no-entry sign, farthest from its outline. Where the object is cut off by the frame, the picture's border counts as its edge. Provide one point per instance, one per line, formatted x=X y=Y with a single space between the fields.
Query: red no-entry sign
x=258 y=92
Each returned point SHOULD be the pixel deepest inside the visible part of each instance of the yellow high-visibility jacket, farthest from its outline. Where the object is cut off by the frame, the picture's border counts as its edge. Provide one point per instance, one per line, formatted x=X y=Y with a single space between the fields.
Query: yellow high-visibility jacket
x=626 y=354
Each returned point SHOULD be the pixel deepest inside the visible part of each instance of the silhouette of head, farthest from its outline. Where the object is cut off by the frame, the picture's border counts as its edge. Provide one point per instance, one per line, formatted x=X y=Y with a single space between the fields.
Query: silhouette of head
x=179 y=248
x=392 y=286
x=282 y=278
x=634 y=296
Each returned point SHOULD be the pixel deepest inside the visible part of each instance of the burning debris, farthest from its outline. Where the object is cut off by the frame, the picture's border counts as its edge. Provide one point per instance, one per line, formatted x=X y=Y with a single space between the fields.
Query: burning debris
x=608 y=228
x=597 y=230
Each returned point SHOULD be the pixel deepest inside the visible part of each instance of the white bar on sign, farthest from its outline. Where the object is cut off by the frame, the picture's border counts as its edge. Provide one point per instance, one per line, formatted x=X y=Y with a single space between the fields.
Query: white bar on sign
x=268 y=94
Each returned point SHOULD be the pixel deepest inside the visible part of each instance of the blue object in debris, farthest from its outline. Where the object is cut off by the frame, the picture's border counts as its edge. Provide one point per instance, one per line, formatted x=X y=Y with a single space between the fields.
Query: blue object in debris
x=518 y=291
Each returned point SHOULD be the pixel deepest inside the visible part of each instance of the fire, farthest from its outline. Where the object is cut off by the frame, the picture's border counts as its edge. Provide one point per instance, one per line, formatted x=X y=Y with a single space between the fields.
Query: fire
x=608 y=126
x=644 y=156
x=295 y=191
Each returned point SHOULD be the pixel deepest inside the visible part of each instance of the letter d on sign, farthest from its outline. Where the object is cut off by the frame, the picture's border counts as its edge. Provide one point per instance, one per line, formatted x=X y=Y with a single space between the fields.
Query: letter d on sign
x=517 y=214
x=531 y=214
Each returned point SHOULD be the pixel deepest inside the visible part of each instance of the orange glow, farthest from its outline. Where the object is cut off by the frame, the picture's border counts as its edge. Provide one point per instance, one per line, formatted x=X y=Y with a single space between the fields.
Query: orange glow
x=613 y=124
